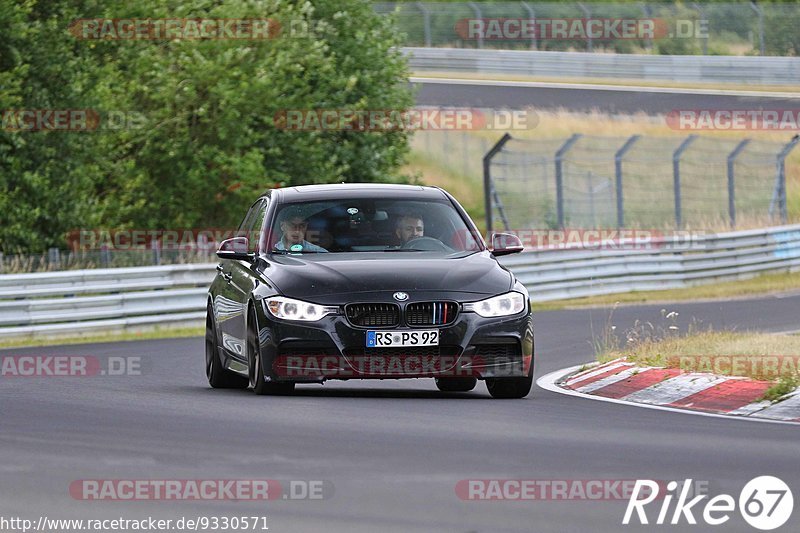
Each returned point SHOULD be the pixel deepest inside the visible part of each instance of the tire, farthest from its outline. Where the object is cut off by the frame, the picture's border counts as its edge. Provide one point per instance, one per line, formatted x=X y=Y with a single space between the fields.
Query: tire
x=255 y=370
x=510 y=388
x=218 y=376
x=456 y=384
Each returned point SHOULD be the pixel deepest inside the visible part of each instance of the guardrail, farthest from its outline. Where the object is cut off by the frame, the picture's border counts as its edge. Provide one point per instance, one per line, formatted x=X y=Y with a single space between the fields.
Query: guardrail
x=666 y=264
x=705 y=69
x=83 y=301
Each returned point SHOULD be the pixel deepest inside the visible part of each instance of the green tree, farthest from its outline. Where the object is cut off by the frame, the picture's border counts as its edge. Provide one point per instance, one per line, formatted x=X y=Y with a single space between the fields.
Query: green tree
x=207 y=142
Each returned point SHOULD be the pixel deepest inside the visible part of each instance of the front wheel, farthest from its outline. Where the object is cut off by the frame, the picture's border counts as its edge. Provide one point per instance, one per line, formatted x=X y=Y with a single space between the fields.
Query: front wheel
x=218 y=376
x=255 y=368
x=510 y=388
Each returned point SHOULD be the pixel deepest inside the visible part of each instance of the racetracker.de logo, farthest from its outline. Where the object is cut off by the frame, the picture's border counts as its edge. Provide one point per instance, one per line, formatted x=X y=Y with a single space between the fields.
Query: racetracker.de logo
x=138 y=29
x=734 y=119
x=759 y=366
x=418 y=118
x=577 y=29
x=605 y=239
x=59 y=366
x=199 y=489
x=315 y=367
x=556 y=489
x=72 y=120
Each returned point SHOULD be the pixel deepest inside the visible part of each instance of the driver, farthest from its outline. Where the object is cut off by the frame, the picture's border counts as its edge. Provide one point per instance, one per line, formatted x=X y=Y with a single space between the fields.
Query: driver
x=409 y=226
x=293 y=226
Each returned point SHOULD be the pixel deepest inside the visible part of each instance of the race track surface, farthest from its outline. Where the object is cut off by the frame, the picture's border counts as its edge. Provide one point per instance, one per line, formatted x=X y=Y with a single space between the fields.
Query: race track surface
x=464 y=94
x=394 y=451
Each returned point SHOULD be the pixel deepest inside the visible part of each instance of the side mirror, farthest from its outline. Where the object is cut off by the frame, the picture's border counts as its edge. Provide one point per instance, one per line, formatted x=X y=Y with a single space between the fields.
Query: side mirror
x=506 y=243
x=236 y=249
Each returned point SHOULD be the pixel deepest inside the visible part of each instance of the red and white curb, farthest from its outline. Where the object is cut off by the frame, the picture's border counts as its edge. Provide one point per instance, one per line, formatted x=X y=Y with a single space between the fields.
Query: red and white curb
x=672 y=389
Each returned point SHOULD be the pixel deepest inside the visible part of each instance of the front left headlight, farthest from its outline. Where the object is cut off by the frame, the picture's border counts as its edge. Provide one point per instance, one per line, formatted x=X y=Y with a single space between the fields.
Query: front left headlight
x=291 y=309
x=510 y=303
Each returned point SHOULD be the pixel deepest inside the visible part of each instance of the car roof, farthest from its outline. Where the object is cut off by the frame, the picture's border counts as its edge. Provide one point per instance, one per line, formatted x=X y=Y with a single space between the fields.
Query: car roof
x=335 y=191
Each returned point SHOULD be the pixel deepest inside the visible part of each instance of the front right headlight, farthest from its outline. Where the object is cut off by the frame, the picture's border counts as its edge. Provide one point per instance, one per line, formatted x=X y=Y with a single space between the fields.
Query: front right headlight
x=510 y=303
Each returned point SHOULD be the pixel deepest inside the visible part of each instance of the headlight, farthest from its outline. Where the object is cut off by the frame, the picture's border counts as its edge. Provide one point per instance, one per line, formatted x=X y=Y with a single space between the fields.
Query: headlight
x=506 y=304
x=290 y=309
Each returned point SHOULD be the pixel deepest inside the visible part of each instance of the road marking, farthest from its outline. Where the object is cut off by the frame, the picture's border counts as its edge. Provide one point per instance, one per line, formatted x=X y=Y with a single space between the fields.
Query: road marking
x=548 y=383
x=784 y=410
x=583 y=376
x=610 y=380
x=603 y=87
x=674 y=389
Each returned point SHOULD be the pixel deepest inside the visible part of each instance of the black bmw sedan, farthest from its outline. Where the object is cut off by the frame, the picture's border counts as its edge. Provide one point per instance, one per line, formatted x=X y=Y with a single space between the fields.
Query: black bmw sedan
x=366 y=281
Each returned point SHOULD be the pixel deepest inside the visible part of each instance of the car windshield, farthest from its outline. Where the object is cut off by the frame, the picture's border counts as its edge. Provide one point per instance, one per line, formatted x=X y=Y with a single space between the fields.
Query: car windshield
x=370 y=225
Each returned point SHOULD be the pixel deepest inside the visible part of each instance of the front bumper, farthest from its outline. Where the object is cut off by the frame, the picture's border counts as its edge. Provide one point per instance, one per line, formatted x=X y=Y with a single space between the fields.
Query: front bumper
x=332 y=348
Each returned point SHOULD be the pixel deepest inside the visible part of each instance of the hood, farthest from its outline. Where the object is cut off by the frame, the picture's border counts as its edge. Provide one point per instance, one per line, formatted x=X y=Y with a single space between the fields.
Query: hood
x=338 y=278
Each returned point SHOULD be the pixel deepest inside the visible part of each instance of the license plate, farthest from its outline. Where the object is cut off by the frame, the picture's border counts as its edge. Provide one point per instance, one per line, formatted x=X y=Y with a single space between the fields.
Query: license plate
x=388 y=339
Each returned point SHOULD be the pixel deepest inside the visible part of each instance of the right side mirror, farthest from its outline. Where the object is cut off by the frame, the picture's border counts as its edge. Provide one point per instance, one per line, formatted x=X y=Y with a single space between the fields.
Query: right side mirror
x=235 y=248
x=506 y=243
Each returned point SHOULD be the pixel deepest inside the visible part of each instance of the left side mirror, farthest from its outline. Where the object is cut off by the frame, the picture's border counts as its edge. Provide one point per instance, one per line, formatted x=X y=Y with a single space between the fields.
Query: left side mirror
x=506 y=243
x=235 y=248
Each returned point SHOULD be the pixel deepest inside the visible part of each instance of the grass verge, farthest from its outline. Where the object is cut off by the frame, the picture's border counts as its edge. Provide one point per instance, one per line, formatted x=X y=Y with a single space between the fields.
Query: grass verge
x=609 y=81
x=762 y=356
x=159 y=333
x=759 y=285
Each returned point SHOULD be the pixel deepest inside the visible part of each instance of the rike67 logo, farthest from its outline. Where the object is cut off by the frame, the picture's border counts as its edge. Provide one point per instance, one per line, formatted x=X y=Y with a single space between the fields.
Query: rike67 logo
x=765 y=502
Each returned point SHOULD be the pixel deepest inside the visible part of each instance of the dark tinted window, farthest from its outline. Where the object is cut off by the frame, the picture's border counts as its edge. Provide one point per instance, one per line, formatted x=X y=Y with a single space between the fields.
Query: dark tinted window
x=371 y=225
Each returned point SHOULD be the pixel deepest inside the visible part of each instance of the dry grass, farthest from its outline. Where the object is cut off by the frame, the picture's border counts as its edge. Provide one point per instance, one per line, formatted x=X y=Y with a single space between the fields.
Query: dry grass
x=756 y=355
x=608 y=81
x=759 y=285
x=144 y=334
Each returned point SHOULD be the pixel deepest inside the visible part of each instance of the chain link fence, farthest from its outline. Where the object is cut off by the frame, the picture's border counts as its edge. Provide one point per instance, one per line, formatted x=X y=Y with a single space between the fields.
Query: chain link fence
x=708 y=28
x=586 y=181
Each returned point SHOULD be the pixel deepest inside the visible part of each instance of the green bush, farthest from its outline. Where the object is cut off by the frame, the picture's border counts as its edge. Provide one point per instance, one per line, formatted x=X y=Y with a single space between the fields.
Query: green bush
x=207 y=143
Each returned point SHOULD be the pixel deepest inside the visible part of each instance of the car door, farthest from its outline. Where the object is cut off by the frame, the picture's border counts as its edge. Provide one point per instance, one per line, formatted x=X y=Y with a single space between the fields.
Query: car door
x=232 y=300
x=243 y=274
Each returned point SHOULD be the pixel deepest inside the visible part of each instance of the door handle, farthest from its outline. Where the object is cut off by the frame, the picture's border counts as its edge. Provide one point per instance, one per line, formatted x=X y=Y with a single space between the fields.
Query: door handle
x=219 y=267
x=228 y=277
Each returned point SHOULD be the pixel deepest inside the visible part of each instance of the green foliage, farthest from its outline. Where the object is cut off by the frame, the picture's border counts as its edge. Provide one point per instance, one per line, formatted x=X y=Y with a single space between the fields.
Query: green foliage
x=203 y=142
x=781 y=388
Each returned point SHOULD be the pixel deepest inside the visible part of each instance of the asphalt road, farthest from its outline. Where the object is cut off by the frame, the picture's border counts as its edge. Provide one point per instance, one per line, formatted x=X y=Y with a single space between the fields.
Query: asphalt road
x=393 y=451
x=586 y=99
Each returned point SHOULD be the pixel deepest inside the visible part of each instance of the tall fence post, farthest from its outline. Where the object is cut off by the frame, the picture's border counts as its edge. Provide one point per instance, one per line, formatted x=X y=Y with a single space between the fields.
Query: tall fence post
x=732 y=181
x=426 y=22
x=532 y=17
x=702 y=12
x=676 y=176
x=54 y=258
x=648 y=13
x=618 y=177
x=487 y=178
x=760 y=12
x=105 y=256
x=588 y=14
x=781 y=177
x=477 y=10
x=560 y=176
x=156 y=248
